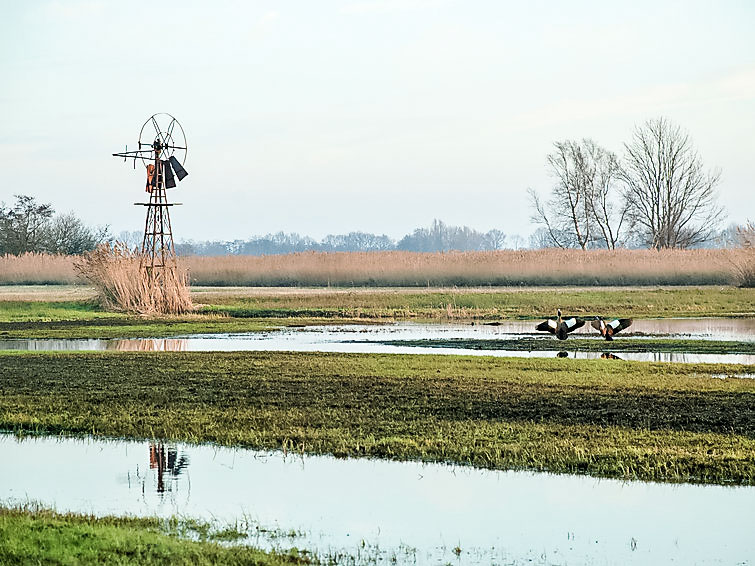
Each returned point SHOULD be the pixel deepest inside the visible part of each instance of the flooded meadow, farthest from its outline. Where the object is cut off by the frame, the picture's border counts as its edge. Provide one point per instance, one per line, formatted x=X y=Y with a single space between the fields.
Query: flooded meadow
x=365 y=511
x=375 y=511
x=501 y=339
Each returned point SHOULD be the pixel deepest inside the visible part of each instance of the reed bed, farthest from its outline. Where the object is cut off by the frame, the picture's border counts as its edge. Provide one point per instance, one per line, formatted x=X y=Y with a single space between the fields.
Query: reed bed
x=507 y=267
x=38 y=269
x=411 y=269
x=123 y=285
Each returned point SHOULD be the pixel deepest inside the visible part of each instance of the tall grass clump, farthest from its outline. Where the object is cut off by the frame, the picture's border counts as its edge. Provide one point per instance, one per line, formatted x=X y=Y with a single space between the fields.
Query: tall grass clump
x=123 y=286
x=744 y=262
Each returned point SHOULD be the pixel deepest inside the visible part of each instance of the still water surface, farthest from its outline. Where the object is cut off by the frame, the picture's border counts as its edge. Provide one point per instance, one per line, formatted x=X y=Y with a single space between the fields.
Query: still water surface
x=417 y=513
x=367 y=339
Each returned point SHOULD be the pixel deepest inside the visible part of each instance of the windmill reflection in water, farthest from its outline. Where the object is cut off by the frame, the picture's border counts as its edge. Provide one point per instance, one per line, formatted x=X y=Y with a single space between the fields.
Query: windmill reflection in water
x=149 y=345
x=167 y=462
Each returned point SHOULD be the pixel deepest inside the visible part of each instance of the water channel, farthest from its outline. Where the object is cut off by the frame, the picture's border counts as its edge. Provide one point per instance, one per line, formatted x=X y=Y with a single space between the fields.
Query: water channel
x=370 y=338
x=380 y=510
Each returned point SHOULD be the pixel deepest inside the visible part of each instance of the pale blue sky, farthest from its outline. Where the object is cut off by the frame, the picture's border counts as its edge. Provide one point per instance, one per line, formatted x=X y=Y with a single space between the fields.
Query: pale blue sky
x=327 y=117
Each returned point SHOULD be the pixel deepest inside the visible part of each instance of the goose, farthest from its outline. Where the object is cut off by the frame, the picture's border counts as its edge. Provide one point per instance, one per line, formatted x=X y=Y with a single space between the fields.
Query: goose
x=608 y=329
x=561 y=326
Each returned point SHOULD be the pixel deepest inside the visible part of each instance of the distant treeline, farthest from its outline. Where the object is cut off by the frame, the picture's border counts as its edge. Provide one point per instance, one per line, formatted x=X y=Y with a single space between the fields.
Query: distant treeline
x=439 y=237
x=30 y=227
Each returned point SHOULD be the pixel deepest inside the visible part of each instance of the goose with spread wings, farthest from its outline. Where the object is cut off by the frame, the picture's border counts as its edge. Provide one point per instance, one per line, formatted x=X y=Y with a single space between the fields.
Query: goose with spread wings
x=561 y=326
x=608 y=329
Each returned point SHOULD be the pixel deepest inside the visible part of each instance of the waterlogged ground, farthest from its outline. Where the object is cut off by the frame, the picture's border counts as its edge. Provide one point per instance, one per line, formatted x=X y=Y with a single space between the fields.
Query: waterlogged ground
x=667 y=340
x=661 y=421
x=377 y=512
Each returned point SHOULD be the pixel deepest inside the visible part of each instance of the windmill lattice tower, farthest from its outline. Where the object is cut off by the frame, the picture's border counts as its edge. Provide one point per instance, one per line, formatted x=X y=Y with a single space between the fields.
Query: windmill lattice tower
x=158 y=253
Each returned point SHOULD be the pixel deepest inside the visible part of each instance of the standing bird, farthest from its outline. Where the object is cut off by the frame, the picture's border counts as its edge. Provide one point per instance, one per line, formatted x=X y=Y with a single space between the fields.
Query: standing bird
x=608 y=329
x=561 y=326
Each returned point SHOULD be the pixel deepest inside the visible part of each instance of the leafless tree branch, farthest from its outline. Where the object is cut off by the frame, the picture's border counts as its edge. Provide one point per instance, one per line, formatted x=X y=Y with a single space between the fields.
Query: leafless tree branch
x=670 y=197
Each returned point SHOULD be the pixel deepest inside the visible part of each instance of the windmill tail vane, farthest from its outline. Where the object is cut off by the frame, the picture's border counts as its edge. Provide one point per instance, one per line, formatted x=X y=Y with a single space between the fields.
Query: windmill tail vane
x=162 y=151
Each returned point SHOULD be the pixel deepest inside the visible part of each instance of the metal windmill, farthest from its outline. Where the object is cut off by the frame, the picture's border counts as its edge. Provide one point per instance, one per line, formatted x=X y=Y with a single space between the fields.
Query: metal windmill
x=162 y=150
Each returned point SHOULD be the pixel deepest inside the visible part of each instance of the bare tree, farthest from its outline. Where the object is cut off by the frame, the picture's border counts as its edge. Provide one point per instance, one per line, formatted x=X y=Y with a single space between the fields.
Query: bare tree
x=744 y=263
x=746 y=235
x=22 y=226
x=542 y=215
x=67 y=234
x=670 y=196
x=516 y=242
x=586 y=208
x=494 y=239
x=608 y=204
x=441 y=237
x=132 y=239
x=540 y=239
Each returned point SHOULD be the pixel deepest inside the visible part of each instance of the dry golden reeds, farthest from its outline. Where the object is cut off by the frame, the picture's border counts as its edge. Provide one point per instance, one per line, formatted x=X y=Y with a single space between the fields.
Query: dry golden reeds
x=37 y=269
x=507 y=267
x=122 y=285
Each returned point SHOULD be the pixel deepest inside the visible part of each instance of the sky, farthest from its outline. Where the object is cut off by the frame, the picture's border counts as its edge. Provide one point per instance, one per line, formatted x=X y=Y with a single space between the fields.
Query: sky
x=377 y=115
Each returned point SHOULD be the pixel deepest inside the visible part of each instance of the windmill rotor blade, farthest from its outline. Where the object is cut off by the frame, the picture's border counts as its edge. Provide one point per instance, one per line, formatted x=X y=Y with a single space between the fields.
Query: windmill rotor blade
x=178 y=168
x=170 y=181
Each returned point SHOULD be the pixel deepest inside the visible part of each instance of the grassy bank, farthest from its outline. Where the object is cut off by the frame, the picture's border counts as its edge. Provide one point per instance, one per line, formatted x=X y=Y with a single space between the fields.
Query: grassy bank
x=484 y=303
x=249 y=309
x=138 y=327
x=30 y=535
x=506 y=267
x=666 y=422
x=655 y=345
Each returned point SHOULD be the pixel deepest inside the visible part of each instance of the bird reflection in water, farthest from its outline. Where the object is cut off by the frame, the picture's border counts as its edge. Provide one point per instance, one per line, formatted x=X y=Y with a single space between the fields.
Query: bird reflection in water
x=609 y=356
x=603 y=356
x=167 y=462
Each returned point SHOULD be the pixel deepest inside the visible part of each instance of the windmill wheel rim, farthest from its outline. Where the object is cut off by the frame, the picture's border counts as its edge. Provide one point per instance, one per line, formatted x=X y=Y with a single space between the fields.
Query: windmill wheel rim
x=162 y=125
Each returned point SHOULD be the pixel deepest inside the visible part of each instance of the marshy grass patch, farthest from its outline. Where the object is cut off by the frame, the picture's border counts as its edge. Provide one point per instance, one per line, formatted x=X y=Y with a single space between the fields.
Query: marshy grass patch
x=652 y=421
x=246 y=310
x=32 y=534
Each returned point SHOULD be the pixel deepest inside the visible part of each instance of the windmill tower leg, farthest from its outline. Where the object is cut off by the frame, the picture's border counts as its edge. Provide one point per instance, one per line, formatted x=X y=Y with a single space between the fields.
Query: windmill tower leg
x=158 y=259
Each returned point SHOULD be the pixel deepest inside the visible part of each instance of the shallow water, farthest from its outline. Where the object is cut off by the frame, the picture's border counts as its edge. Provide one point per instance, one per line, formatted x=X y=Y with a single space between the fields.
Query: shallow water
x=415 y=512
x=367 y=338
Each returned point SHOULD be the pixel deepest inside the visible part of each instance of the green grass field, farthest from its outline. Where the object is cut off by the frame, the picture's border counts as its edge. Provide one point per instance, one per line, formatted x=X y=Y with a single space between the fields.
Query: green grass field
x=651 y=421
x=240 y=310
x=491 y=304
x=625 y=344
x=30 y=535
